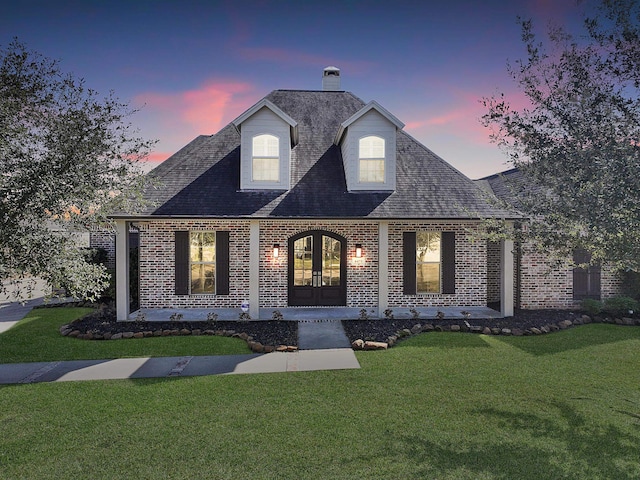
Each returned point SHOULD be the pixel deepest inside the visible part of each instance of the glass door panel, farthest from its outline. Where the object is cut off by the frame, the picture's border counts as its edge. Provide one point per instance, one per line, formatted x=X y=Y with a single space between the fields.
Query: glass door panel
x=303 y=261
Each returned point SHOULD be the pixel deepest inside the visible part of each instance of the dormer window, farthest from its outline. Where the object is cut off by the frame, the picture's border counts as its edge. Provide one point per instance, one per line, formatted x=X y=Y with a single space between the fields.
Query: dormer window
x=367 y=141
x=265 y=163
x=371 y=159
x=267 y=135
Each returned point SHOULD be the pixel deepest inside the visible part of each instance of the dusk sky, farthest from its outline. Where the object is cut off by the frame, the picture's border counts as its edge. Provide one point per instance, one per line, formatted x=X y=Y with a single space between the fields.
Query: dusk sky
x=193 y=66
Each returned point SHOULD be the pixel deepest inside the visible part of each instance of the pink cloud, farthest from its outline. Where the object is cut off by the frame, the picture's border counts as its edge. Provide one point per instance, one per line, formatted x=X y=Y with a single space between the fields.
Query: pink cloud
x=205 y=109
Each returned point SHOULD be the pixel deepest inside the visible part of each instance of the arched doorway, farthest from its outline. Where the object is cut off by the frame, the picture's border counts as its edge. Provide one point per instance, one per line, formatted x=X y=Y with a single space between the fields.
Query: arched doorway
x=317 y=269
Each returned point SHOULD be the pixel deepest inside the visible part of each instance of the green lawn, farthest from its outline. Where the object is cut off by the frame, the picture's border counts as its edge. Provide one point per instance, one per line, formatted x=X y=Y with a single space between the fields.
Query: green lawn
x=36 y=338
x=438 y=406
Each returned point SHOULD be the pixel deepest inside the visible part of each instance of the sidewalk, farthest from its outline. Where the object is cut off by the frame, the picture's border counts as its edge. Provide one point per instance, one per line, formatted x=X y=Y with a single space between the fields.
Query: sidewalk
x=159 y=367
x=323 y=344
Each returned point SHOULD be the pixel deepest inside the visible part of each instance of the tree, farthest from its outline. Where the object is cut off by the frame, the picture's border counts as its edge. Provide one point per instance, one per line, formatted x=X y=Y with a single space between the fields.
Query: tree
x=67 y=159
x=577 y=143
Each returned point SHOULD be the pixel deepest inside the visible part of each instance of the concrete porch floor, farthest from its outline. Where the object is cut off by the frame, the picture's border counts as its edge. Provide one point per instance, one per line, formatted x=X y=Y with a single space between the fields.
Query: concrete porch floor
x=311 y=313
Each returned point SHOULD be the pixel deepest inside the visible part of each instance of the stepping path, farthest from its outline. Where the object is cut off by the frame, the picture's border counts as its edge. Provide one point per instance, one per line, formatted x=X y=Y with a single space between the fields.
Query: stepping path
x=321 y=334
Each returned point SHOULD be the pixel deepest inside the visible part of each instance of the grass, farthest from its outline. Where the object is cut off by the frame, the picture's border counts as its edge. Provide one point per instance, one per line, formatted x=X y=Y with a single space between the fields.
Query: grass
x=36 y=338
x=438 y=406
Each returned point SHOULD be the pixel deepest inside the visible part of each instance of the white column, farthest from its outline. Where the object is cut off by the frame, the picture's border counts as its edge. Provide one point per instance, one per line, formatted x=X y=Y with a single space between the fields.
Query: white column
x=122 y=270
x=383 y=267
x=506 y=277
x=254 y=269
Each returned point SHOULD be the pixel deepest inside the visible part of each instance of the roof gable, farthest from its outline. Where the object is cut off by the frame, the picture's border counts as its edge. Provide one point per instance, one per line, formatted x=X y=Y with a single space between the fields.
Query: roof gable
x=264 y=103
x=372 y=105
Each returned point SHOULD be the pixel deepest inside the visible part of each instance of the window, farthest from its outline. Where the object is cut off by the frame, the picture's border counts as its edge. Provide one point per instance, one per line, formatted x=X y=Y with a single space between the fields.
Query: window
x=202 y=258
x=428 y=262
x=265 y=165
x=586 y=277
x=371 y=159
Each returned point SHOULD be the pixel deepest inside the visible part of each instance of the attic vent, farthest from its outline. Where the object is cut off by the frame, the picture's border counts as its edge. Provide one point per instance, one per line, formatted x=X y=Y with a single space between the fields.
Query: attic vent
x=331 y=79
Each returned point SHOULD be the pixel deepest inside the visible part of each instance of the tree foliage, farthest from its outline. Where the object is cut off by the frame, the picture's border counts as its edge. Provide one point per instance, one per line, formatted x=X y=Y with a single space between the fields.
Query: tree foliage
x=67 y=159
x=577 y=142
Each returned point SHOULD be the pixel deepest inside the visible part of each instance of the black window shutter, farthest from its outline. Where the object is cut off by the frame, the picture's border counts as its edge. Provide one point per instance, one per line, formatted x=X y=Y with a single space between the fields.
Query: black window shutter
x=222 y=263
x=182 y=263
x=448 y=262
x=586 y=281
x=409 y=261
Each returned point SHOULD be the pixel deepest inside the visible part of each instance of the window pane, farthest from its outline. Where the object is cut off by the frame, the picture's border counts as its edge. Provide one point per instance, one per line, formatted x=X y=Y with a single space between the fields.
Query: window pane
x=428 y=246
x=302 y=263
x=203 y=278
x=371 y=147
x=266 y=146
x=266 y=169
x=331 y=251
x=203 y=247
x=428 y=260
x=428 y=280
x=372 y=171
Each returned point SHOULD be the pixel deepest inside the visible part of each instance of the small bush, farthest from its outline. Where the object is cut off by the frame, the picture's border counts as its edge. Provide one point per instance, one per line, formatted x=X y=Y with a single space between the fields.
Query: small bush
x=591 y=306
x=620 y=306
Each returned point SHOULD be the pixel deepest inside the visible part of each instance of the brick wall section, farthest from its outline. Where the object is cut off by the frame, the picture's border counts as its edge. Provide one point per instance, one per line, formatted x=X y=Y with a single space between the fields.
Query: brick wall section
x=157 y=260
x=157 y=263
x=107 y=240
x=493 y=272
x=544 y=285
x=471 y=266
x=362 y=280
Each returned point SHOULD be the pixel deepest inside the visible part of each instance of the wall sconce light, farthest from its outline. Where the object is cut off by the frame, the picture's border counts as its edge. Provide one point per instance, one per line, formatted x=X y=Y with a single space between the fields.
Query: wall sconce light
x=358 y=250
x=276 y=250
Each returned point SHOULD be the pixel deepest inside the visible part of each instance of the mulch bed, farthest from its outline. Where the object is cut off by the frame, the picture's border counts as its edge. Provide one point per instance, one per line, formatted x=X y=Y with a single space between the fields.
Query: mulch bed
x=102 y=325
x=523 y=320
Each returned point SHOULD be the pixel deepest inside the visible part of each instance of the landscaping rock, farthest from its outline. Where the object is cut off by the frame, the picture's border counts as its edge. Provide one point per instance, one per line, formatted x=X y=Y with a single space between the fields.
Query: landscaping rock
x=127 y=335
x=516 y=332
x=586 y=319
x=455 y=328
x=358 y=344
x=628 y=321
x=116 y=336
x=505 y=331
x=138 y=335
x=417 y=328
x=486 y=331
x=427 y=327
x=536 y=331
x=564 y=324
x=375 y=346
x=185 y=331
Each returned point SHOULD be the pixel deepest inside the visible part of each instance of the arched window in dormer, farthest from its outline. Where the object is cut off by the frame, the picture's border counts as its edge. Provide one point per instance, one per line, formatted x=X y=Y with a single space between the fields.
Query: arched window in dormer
x=265 y=164
x=371 y=159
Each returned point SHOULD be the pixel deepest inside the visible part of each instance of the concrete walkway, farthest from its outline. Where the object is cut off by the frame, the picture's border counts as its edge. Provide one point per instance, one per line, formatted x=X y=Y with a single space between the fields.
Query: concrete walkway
x=172 y=367
x=323 y=346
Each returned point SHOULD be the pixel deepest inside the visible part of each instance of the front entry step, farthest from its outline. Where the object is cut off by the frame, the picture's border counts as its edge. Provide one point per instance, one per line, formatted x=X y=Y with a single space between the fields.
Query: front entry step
x=321 y=334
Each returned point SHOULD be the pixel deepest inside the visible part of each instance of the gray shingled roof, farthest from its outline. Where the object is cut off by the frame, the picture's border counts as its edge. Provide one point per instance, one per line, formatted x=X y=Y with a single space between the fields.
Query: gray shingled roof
x=202 y=179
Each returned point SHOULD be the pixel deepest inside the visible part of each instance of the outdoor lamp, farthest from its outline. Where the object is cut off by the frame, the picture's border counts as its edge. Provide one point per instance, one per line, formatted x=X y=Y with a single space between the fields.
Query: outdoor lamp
x=276 y=250
x=358 y=250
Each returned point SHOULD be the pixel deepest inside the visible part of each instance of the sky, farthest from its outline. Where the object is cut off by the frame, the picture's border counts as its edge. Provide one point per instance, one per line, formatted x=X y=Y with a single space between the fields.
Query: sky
x=191 y=67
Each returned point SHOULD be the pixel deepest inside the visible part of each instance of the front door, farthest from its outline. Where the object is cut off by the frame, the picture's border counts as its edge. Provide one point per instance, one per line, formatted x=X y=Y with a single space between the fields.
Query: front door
x=317 y=269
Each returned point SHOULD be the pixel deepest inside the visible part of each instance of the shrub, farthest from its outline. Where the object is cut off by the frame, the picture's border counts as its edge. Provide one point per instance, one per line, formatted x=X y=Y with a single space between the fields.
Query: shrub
x=592 y=306
x=620 y=306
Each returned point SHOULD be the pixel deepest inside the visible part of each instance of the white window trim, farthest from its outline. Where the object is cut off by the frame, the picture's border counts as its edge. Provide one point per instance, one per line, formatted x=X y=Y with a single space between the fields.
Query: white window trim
x=373 y=159
x=255 y=157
